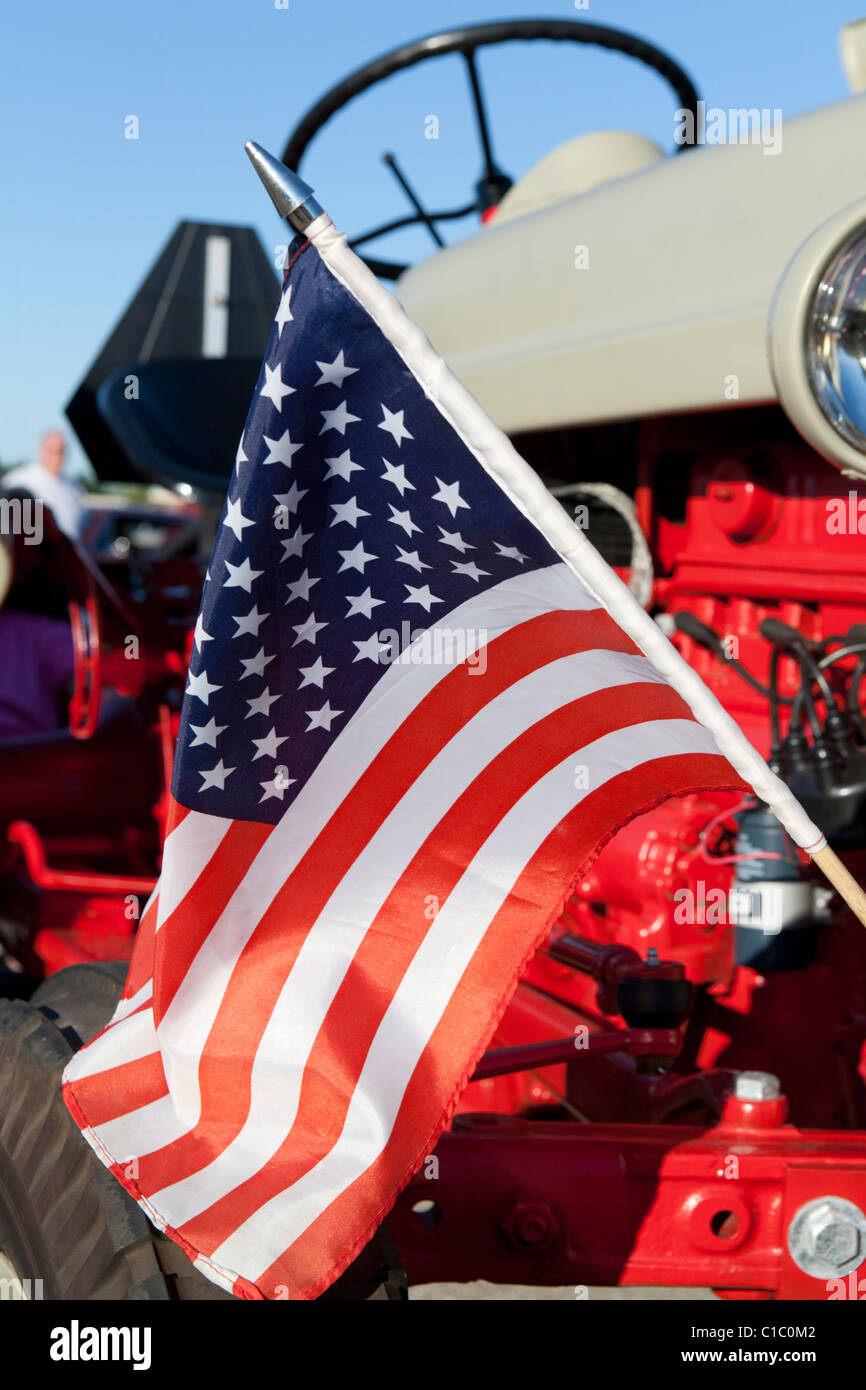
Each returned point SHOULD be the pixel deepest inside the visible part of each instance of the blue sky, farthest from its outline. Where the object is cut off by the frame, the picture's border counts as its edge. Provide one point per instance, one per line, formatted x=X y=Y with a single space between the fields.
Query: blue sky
x=86 y=210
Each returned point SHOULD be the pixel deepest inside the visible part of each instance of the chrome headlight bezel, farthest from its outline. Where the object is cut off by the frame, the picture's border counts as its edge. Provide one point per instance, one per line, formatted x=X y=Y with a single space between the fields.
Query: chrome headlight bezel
x=800 y=364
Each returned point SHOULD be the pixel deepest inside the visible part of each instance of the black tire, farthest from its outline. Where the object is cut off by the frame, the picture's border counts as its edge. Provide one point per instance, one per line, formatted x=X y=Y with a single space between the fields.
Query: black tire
x=64 y=1219
x=81 y=999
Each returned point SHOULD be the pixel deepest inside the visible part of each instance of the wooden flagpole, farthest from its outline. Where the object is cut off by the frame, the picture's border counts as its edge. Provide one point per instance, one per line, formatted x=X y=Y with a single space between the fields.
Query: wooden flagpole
x=845 y=884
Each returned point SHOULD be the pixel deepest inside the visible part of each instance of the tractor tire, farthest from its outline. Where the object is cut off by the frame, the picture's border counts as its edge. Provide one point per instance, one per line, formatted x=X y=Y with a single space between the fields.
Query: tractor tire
x=66 y=1225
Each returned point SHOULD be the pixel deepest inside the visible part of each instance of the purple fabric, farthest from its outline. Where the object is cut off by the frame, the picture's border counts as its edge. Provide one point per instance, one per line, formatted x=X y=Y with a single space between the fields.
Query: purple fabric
x=36 y=658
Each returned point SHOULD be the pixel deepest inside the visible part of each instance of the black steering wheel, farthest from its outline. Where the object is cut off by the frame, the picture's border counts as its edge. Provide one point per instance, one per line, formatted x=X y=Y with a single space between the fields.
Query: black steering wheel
x=493 y=183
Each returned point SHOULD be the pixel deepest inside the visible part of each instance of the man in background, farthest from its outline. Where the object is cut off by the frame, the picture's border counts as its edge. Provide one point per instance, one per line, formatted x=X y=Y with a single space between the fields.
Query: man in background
x=45 y=479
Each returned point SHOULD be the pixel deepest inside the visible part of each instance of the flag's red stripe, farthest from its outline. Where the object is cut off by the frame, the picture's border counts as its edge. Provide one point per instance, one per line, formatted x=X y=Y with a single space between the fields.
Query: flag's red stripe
x=270 y=953
x=183 y=931
x=340 y=1050
x=483 y=993
x=177 y=814
x=106 y=1096
x=141 y=966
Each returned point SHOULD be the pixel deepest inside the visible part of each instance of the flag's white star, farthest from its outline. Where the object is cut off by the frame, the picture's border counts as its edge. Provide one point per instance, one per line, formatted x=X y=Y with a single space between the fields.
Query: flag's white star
x=284 y=313
x=255 y=665
x=200 y=636
x=322 y=718
x=289 y=501
x=262 y=703
x=510 y=552
x=355 y=559
x=274 y=387
x=393 y=423
x=301 y=587
x=422 y=596
x=395 y=473
x=250 y=623
x=277 y=787
x=207 y=733
x=449 y=493
x=235 y=519
x=410 y=557
x=295 y=543
x=347 y=511
x=308 y=630
x=342 y=467
x=281 y=450
x=334 y=373
x=240 y=456
x=454 y=539
x=369 y=649
x=200 y=687
x=338 y=419
x=315 y=674
x=362 y=604
x=469 y=568
x=268 y=745
x=403 y=519
x=241 y=576
x=215 y=777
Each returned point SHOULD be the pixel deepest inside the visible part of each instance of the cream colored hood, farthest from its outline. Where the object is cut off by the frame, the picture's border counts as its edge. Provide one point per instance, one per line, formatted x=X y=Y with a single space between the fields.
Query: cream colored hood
x=647 y=294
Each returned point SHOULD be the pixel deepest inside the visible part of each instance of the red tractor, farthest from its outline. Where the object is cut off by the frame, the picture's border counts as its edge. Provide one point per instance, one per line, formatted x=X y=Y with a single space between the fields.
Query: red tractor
x=677 y=1091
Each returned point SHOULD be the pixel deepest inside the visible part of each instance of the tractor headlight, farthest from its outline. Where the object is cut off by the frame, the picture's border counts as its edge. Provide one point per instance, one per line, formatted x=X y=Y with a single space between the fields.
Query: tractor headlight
x=836 y=341
x=817 y=340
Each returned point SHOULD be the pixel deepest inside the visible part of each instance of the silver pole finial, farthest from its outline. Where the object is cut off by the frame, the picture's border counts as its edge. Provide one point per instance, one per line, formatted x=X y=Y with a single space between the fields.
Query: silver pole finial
x=292 y=198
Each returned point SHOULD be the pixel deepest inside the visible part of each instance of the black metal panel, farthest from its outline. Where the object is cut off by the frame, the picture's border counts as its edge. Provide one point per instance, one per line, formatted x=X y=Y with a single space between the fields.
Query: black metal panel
x=186 y=423
x=163 y=322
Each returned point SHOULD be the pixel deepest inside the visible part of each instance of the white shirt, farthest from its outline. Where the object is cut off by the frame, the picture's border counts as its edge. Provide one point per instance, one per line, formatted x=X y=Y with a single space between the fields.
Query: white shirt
x=61 y=495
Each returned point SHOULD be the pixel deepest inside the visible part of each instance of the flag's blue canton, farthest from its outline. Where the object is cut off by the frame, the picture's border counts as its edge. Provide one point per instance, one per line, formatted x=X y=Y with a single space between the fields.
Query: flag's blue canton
x=353 y=509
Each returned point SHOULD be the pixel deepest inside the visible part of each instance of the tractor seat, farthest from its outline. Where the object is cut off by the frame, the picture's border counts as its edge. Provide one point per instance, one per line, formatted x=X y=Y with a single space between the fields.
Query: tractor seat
x=576 y=166
x=65 y=785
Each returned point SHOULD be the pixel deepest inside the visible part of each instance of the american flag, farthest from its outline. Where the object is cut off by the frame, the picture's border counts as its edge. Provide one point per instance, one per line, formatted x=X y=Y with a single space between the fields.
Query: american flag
x=408 y=729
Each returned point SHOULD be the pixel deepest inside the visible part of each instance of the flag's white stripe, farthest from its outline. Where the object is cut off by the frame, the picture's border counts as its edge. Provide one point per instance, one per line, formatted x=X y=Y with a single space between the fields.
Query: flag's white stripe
x=432 y=978
x=129 y=1136
x=135 y=1001
x=499 y=458
x=399 y=689
x=128 y=1040
x=333 y=940
x=189 y=847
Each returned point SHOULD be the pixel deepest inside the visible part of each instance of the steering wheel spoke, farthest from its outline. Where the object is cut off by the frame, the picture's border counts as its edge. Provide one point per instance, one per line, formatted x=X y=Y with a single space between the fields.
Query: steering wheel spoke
x=422 y=214
x=493 y=184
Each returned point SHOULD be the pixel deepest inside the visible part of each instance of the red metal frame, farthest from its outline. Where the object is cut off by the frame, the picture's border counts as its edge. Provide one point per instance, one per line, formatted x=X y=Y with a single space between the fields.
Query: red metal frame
x=557 y=1203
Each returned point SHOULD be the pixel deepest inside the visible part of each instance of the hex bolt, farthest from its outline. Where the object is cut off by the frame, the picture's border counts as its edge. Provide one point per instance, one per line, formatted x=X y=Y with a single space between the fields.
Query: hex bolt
x=757 y=1085
x=827 y=1237
x=530 y=1225
x=835 y=1239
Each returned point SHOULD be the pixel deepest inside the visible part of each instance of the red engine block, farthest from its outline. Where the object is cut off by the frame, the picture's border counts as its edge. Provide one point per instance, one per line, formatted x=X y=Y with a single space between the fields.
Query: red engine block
x=750 y=546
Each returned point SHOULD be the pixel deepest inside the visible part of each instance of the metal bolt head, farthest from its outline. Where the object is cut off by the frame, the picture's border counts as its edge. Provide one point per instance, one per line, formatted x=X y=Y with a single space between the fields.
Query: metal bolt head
x=827 y=1237
x=530 y=1225
x=757 y=1085
x=835 y=1240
